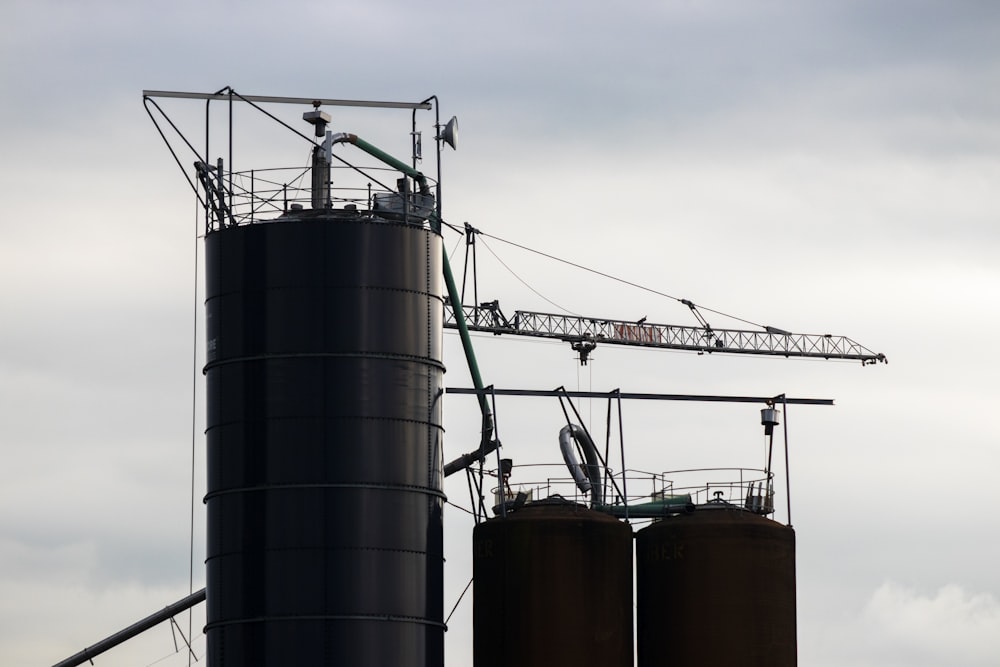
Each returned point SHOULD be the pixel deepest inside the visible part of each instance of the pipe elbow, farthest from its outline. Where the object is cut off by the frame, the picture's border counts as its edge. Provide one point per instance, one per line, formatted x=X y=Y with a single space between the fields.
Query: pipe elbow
x=343 y=137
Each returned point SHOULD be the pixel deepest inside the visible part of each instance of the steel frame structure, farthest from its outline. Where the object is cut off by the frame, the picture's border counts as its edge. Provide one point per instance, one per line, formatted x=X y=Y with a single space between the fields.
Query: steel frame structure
x=488 y=318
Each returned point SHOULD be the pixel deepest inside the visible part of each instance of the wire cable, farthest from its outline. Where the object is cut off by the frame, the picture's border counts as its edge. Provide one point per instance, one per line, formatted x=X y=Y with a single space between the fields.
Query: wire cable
x=523 y=282
x=617 y=279
x=459 y=507
x=194 y=418
x=453 y=250
x=458 y=602
x=454 y=228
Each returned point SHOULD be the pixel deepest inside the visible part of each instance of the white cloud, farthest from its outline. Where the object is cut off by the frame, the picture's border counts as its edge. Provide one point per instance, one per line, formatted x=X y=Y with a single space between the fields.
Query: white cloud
x=903 y=626
x=77 y=617
x=952 y=623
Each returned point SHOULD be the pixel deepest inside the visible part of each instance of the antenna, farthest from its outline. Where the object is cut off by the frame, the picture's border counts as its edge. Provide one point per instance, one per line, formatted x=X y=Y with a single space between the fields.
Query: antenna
x=449 y=134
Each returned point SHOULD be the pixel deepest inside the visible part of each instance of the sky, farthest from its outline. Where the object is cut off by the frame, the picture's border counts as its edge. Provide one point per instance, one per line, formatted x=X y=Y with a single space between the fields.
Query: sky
x=820 y=167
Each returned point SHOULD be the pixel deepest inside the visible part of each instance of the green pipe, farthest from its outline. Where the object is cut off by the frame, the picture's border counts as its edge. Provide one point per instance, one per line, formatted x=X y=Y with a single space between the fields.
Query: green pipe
x=657 y=508
x=487 y=444
x=379 y=154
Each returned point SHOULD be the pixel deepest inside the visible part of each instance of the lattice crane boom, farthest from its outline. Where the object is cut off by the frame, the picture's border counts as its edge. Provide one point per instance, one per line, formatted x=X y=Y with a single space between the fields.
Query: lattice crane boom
x=583 y=333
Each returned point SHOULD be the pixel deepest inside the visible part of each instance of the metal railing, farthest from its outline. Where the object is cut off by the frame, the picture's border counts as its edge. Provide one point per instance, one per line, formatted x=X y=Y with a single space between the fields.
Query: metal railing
x=749 y=488
x=741 y=488
x=263 y=195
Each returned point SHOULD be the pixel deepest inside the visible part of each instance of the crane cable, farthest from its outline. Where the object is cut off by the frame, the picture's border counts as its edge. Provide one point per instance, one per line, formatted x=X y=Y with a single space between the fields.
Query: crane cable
x=523 y=282
x=194 y=416
x=686 y=302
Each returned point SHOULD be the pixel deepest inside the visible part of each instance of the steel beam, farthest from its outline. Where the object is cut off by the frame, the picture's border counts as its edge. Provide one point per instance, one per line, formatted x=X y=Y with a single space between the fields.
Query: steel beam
x=270 y=99
x=554 y=393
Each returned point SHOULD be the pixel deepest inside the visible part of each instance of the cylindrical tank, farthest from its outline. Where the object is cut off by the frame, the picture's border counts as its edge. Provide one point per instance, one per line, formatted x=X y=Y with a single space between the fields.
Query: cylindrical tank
x=553 y=586
x=324 y=380
x=716 y=587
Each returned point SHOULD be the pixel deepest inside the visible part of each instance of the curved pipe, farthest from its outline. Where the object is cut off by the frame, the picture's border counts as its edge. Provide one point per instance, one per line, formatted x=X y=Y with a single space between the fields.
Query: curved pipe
x=587 y=477
x=568 y=449
x=487 y=443
x=658 y=508
x=348 y=138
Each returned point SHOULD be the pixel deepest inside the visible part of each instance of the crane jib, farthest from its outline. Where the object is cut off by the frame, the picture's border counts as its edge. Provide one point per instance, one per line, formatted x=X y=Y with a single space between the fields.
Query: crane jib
x=488 y=318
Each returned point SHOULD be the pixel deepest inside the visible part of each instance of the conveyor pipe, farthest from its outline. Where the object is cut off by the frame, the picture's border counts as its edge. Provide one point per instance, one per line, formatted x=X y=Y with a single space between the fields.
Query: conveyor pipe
x=91 y=652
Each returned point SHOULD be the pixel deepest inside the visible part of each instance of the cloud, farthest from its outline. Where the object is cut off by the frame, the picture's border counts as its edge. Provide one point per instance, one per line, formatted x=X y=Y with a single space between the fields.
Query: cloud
x=77 y=617
x=899 y=625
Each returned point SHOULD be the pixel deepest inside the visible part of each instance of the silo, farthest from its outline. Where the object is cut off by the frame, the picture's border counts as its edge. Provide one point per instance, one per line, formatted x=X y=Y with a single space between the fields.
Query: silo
x=716 y=587
x=324 y=380
x=553 y=586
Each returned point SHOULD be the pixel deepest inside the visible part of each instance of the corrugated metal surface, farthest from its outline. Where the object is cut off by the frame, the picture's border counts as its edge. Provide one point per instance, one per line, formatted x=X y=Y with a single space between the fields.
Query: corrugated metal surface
x=553 y=586
x=716 y=587
x=324 y=380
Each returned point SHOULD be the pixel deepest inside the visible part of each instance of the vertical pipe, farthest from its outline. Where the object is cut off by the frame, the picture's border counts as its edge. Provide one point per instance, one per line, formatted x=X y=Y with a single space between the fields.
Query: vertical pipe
x=470 y=357
x=475 y=280
x=221 y=187
x=788 y=475
x=208 y=223
x=621 y=442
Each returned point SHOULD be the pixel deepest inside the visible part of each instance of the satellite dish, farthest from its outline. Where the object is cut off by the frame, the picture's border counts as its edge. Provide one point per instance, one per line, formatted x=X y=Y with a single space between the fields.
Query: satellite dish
x=449 y=134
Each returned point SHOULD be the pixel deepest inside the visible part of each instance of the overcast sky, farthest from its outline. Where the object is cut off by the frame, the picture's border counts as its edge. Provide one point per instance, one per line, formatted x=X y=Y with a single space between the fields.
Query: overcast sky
x=821 y=167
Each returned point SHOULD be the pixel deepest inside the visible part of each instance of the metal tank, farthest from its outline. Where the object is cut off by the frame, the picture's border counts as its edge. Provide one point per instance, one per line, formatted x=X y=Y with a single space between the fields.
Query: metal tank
x=324 y=380
x=716 y=587
x=553 y=586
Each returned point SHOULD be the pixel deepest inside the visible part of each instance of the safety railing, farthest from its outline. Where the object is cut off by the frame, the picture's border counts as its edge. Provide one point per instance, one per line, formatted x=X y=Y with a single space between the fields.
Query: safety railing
x=648 y=494
x=264 y=195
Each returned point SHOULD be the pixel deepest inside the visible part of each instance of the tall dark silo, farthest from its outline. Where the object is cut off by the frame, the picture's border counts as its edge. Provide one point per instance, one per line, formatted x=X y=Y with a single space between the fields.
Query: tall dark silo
x=324 y=382
x=716 y=587
x=552 y=586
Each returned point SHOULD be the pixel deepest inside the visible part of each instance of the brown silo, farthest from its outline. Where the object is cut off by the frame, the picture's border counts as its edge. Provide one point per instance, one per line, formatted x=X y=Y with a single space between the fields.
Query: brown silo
x=553 y=586
x=716 y=587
